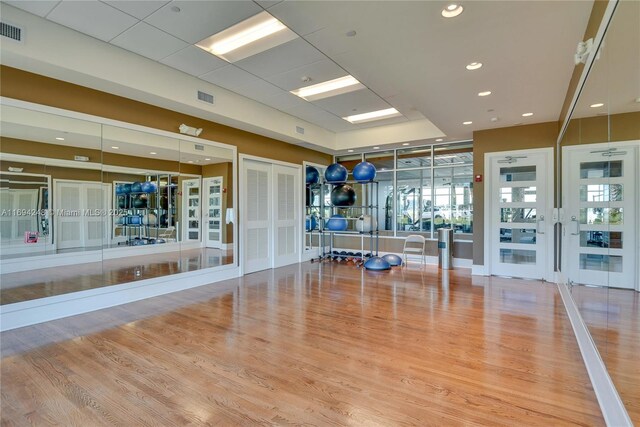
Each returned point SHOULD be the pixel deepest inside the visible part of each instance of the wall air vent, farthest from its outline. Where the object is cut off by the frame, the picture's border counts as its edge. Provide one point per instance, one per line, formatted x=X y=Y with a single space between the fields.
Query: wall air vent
x=199 y=147
x=11 y=31
x=300 y=130
x=205 y=97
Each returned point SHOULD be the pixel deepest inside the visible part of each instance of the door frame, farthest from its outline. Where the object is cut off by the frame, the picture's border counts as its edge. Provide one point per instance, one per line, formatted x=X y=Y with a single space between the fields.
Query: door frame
x=565 y=182
x=548 y=273
x=242 y=184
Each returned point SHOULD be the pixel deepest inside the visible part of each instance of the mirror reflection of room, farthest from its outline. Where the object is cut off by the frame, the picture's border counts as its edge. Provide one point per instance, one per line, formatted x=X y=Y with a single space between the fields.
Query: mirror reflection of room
x=91 y=205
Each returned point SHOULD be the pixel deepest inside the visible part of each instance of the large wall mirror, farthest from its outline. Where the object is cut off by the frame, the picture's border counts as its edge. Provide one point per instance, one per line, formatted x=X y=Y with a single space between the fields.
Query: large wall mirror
x=600 y=192
x=87 y=205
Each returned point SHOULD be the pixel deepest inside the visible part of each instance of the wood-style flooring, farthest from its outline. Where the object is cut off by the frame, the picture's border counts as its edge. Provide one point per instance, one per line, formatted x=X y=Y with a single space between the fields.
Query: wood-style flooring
x=46 y=282
x=309 y=344
x=613 y=318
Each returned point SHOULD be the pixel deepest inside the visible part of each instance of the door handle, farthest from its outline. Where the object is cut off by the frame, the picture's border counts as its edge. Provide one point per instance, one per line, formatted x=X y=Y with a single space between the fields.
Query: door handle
x=538 y=225
x=574 y=220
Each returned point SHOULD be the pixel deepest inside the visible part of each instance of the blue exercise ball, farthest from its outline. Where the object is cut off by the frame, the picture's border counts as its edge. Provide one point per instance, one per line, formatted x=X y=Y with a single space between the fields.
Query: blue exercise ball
x=377 y=264
x=343 y=195
x=310 y=223
x=336 y=174
x=119 y=189
x=337 y=223
x=136 y=187
x=313 y=176
x=364 y=172
x=393 y=259
x=126 y=188
x=149 y=187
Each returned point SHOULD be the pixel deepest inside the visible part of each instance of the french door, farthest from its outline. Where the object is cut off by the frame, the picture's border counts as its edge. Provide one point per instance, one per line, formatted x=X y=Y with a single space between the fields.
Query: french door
x=520 y=200
x=191 y=209
x=212 y=191
x=601 y=215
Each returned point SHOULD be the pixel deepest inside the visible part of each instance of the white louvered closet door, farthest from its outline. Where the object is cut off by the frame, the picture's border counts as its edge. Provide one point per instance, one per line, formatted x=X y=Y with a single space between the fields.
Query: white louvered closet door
x=68 y=207
x=287 y=215
x=257 y=216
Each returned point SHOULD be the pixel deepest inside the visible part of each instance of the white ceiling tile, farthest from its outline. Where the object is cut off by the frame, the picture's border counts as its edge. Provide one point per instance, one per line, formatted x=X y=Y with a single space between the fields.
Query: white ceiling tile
x=138 y=8
x=193 y=60
x=363 y=101
x=259 y=90
x=308 y=112
x=319 y=72
x=229 y=77
x=298 y=16
x=335 y=124
x=197 y=20
x=268 y=3
x=148 y=41
x=37 y=7
x=285 y=101
x=94 y=18
x=293 y=54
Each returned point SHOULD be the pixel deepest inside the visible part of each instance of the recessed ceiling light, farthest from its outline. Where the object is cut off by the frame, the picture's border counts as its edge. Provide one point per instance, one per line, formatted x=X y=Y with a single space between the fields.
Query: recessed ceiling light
x=115 y=147
x=329 y=88
x=349 y=151
x=376 y=148
x=485 y=93
x=598 y=105
x=466 y=123
x=405 y=143
x=152 y=152
x=190 y=161
x=59 y=138
x=527 y=115
x=474 y=66
x=207 y=159
x=439 y=140
x=253 y=35
x=452 y=10
x=373 y=115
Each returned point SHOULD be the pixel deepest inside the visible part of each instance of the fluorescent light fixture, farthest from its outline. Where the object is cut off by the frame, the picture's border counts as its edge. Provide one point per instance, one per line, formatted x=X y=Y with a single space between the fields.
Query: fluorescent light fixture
x=405 y=143
x=439 y=140
x=466 y=123
x=452 y=10
x=208 y=158
x=329 y=88
x=598 y=105
x=485 y=93
x=376 y=148
x=190 y=161
x=152 y=152
x=446 y=156
x=474 y=66
x=115 y=147
x=253 y=35
x=527 y=115
x=373 y=115
x=59 y=138
x=349 y=151
x=14 y=169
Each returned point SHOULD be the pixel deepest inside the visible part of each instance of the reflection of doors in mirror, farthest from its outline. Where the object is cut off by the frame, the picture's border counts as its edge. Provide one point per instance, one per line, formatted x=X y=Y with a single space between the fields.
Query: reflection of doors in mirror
x=191 y=209
x=600 y=208
x=212 y=190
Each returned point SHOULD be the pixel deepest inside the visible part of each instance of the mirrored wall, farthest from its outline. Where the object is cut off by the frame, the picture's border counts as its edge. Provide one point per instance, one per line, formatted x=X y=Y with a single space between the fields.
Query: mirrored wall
x=600 y=196
x=86 y=205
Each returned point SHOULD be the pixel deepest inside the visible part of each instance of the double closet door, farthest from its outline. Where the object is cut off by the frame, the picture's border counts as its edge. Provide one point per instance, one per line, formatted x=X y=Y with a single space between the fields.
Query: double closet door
x=270 y=215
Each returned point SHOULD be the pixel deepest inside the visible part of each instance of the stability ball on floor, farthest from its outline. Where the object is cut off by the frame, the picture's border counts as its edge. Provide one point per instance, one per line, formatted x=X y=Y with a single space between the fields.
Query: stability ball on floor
x=313 y=176
x=343 y=195
x=336 y=174
x=337 y=223
x=377 y=264
x=393 y=259
x=364 y=172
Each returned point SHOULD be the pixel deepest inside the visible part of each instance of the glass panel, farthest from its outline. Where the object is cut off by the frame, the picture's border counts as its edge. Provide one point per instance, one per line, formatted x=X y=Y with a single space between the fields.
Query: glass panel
x=453 y=154
x=517 y=194
x=385 y=214
x=518 y=173
x=610 y=263
x=601 y=193
x=517 y=256
x=414 y=200
x=349 y=162
x=611 y=216
x=518 y=235
x=414 y=158
x=518 y=215
x=604 y=169
x=601 y=239
x=382 y=160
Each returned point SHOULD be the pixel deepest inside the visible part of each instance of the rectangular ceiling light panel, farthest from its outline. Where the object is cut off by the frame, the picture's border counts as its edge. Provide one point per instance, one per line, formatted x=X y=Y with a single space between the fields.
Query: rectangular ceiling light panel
x=373 y=115
x=253 y=35
x=329 y=88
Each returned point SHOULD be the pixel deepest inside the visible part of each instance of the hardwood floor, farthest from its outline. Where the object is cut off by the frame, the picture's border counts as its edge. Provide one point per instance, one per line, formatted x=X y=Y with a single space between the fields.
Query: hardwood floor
x=613 y=318
x=46 y=282
x=309 y=344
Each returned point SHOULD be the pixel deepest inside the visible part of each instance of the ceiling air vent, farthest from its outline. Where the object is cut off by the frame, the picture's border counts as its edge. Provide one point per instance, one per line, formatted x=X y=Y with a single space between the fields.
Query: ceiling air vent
x=300 y=130
x=10 y=31
x=199 y=147
x=205 y=97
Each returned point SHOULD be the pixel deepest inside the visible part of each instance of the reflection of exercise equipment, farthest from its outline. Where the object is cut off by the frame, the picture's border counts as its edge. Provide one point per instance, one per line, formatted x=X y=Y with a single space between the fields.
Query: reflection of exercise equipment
x=309 y=197
x=152 y=219
x=337 y=223
x=136 y=187
x=366 y=223
x=149 y=187
x=364 y=172
x=164 y=202
x=140 y=201
x=388 y=212
x=313 y=176
x=343 y=195
x=336 y=174
x=310 y=223
x=123 y=202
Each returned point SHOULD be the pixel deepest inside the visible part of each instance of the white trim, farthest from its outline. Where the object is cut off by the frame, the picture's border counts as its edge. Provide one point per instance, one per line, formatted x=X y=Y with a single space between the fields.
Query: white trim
x=479 y=270
x=611 y=405
x=41 y=310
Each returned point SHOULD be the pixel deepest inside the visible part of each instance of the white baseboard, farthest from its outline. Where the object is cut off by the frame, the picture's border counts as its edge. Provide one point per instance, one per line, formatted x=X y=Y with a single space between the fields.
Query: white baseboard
x=27 y=313
x=479 y=270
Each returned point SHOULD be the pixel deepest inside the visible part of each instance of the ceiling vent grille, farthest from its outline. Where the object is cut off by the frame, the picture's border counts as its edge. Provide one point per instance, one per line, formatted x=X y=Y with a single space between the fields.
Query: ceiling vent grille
x=10 y=31
x=205 y=97
x=300 y=130
x=199 y=147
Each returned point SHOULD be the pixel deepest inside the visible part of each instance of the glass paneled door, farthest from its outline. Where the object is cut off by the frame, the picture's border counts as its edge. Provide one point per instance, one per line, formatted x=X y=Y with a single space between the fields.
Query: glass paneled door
x=521 y=227
x=191 y=209
x=600 y=215
x=213 y=211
